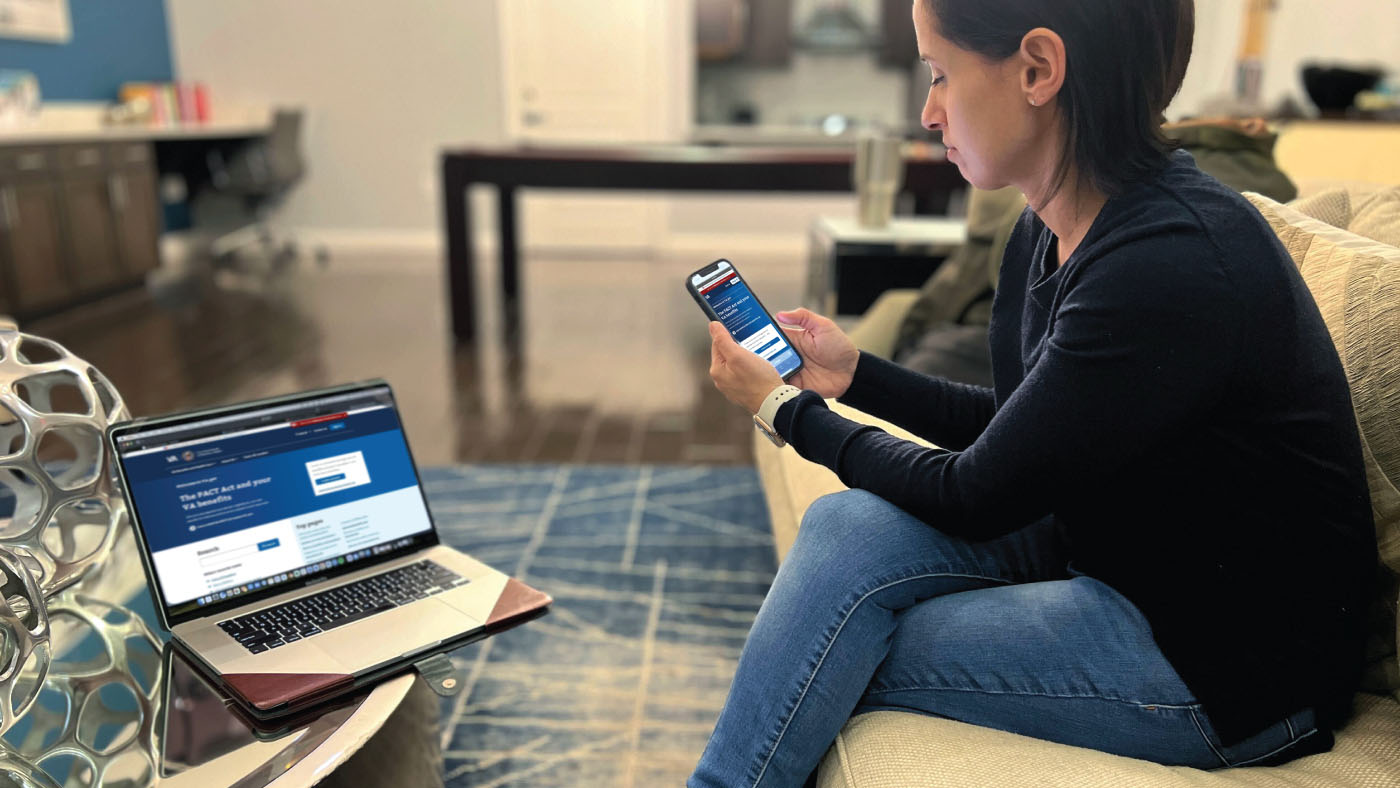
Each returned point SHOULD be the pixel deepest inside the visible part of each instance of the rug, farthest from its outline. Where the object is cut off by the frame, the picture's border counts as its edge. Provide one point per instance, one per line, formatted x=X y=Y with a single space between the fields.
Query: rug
x=656 y=572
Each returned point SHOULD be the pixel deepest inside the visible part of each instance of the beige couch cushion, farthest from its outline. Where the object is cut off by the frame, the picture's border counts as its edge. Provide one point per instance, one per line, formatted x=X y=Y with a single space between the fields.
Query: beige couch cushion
x=1372 y=212
x=1356 y=282
x=896 y=750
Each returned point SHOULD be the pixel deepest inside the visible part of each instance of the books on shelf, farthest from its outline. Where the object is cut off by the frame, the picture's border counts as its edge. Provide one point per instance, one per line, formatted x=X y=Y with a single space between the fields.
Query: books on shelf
x=167 y=103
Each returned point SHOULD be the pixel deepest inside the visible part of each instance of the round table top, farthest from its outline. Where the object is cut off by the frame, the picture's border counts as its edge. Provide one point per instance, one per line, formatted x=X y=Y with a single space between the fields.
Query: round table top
x=304 y=756
x=120 y=706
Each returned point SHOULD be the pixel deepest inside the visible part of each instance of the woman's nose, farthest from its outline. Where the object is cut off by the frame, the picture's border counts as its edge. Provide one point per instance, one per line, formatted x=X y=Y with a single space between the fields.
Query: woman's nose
x=933 y=116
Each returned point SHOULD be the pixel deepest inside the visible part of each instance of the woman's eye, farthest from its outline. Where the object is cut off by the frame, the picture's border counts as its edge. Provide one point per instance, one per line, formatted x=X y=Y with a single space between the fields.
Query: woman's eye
x=939 y=81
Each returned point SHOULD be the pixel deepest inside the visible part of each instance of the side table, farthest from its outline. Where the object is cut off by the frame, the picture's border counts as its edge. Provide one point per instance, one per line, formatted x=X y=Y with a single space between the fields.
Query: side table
x=110 y=714
x=850 y=265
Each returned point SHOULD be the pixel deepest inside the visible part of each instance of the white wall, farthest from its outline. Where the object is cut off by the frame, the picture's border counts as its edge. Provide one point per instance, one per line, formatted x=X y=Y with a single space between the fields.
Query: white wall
x=385 y=86
x=1349 y=31
x=1354 y=32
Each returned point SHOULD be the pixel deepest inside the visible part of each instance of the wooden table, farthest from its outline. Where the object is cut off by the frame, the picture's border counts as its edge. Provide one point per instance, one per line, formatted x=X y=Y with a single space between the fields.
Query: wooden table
x=115 y=591
x=928 y=176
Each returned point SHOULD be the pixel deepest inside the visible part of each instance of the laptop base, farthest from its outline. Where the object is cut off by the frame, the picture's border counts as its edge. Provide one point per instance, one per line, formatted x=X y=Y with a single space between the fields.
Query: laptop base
x=435 y=658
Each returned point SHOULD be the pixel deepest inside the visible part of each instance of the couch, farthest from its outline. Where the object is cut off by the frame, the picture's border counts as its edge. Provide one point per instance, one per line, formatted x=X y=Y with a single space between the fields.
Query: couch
x=1352 y=266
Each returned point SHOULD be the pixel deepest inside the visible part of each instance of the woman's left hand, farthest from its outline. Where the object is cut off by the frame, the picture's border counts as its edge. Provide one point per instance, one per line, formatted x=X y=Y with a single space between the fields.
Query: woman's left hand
x=741 y=375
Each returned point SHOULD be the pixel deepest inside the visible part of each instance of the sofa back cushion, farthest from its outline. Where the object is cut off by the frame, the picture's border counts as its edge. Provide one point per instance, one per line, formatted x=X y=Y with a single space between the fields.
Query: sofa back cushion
x=1356 y=283
x=1372 y=212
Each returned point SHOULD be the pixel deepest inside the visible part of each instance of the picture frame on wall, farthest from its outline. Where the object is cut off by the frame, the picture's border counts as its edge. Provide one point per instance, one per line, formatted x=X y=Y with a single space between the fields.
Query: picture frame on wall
x=36 y=20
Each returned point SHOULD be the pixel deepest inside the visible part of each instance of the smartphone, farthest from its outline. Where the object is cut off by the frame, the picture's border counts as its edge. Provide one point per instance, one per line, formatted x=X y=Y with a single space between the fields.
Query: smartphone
x=722 y=294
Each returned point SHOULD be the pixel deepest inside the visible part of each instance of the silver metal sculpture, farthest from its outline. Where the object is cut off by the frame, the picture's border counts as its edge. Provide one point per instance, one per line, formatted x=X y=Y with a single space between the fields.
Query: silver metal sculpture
x=58 y=510
x=75 y=710
x=94 y=723
x=15 y=771
x=25 y=648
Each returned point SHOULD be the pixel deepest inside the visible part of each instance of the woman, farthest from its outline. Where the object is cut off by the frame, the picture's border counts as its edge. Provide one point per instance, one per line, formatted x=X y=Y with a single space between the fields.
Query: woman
x=1152 y=536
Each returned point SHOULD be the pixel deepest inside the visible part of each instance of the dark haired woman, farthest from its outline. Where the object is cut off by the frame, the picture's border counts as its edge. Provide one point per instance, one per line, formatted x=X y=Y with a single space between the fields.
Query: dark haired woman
x=1152 y=536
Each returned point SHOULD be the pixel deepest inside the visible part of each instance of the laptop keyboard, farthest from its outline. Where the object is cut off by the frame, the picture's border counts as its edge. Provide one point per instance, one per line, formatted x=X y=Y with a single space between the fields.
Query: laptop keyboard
x=335 y=607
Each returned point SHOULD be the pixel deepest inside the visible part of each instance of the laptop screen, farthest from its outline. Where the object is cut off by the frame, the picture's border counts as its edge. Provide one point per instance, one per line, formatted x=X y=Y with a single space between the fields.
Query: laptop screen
x=252 y=502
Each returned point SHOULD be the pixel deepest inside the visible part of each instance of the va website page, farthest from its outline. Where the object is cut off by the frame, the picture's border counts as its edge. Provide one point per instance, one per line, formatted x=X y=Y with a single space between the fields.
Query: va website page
x=741 y=313
x=233 y=514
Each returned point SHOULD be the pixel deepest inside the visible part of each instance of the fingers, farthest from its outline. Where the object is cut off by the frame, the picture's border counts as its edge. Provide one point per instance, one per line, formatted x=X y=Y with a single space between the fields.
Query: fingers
x=797 y=335
x=804 y=319
x=721 y=350
x=794 y=317
x=722 y=371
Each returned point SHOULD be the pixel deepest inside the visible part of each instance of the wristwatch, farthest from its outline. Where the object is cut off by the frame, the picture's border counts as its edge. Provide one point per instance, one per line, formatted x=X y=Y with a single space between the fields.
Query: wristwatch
x=768 y=412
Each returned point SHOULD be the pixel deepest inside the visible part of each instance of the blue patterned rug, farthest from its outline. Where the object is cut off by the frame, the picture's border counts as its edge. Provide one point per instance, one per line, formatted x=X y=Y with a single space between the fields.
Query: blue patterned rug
x=656 y=572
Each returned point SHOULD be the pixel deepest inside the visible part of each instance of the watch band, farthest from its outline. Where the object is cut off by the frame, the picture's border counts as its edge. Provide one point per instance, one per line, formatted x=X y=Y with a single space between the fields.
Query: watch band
x=768 y=411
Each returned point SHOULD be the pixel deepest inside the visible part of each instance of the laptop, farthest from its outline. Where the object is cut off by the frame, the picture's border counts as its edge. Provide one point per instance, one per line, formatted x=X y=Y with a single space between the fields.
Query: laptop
x=290 y=549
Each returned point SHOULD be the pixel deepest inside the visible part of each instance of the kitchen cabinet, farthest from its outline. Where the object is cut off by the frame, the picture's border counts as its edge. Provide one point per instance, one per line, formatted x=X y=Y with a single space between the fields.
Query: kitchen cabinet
x=136 y=208
x=31 y=236
x=76 y=220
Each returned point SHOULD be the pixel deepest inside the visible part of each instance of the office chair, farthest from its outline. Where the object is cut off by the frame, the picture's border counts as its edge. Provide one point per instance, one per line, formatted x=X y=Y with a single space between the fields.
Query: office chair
x=258 y=177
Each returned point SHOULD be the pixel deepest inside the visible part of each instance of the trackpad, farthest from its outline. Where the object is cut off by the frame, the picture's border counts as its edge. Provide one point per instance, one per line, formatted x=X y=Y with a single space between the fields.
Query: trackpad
x=390 y=635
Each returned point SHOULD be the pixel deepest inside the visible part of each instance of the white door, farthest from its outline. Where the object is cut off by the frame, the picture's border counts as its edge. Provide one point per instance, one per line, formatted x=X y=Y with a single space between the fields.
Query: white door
x=594 y=72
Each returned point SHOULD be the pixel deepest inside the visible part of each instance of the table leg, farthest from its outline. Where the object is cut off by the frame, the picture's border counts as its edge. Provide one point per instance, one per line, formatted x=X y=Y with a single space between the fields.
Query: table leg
x=510 y=260
x=460 y=264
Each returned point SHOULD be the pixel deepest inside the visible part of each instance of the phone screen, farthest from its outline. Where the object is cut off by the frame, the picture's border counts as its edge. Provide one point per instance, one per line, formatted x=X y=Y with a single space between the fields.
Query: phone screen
x=740 y=312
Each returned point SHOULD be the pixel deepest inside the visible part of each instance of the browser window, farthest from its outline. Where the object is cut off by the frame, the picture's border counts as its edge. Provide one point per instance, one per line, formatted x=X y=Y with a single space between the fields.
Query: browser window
x=236 y=504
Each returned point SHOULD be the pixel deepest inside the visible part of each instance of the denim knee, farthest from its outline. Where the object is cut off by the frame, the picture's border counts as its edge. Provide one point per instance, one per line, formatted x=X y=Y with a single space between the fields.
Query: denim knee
x=833 y=515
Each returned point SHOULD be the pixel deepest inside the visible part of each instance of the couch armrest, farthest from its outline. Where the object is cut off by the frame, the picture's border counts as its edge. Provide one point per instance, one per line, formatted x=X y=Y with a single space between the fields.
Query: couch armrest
x=878 y=328
x=790 y=483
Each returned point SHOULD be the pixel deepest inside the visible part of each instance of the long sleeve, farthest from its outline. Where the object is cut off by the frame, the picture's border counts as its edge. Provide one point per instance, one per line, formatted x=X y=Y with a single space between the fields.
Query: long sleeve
x=1172 y=396
x=941 y=411
x=1137 y=349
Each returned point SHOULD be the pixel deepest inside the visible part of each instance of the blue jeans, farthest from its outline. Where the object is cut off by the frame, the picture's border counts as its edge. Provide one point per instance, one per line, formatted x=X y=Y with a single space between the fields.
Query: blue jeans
x=873 y=609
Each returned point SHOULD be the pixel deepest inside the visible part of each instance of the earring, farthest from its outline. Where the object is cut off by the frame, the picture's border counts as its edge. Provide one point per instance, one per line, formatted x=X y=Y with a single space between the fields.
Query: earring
x=1034 y=103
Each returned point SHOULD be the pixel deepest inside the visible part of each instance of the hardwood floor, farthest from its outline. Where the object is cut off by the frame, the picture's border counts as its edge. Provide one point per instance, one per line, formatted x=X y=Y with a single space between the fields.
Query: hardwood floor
x=611 y=367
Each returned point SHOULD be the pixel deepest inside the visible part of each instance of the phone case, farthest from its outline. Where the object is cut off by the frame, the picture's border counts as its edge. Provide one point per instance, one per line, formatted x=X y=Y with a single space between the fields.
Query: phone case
x=705 y=307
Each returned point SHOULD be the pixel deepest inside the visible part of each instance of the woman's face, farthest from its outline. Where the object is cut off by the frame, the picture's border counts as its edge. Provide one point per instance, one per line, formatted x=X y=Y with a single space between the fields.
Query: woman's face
x=989 y=127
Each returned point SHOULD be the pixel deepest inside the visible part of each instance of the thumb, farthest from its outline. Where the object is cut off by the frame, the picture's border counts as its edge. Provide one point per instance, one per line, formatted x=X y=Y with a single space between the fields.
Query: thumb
x=720 y=339
x=800 y=317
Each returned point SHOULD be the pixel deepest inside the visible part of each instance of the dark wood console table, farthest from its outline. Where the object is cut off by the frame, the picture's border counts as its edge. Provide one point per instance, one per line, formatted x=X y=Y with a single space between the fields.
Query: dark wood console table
x=930 y=178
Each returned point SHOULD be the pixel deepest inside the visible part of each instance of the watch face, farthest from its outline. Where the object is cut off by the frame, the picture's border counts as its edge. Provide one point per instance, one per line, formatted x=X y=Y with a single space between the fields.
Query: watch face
x=769 y=432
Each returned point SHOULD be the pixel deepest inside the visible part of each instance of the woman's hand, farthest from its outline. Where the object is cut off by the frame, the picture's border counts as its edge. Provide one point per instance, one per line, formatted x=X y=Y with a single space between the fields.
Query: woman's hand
x=828 y=356
x=741 y=375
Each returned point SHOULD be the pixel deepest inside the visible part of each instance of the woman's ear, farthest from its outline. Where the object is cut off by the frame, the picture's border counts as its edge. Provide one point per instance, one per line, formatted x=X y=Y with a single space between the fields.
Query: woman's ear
x=1042 y=65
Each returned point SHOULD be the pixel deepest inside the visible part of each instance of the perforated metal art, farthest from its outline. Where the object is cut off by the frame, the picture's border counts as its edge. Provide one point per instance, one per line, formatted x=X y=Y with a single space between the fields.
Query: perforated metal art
x=58 y=510
x=25 y=650
x=93 y=723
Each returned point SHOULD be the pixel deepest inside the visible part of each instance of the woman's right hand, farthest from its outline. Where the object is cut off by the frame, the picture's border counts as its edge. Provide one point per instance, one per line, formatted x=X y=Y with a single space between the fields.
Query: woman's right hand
x=828 y=356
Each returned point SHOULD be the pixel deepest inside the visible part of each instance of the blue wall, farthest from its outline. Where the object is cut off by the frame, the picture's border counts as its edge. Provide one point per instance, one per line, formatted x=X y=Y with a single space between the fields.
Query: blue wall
x=114 y=41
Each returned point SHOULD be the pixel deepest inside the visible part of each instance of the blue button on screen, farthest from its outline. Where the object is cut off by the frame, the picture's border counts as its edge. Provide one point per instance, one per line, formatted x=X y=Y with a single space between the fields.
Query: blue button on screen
x=268 y=545
x=763 y=351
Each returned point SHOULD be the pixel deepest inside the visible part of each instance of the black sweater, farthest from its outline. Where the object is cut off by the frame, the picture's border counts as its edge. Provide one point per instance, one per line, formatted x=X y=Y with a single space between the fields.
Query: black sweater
x=1172 y=396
